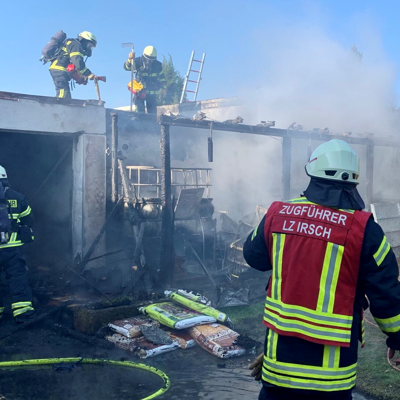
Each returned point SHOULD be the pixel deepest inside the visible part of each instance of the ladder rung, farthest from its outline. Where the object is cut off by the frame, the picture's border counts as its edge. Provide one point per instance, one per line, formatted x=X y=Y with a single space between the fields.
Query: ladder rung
x=191 y=91
x=198 y=60
x=193 y=70
x=193 y=81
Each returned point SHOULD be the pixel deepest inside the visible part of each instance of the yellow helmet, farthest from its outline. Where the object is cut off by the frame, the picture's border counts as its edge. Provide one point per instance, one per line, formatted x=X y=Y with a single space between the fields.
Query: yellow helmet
x=150 y=53
x=88 y=36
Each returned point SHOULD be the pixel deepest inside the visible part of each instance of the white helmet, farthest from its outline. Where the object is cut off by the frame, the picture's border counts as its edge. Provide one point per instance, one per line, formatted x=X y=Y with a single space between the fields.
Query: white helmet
x=3 y=173
x=334 y=160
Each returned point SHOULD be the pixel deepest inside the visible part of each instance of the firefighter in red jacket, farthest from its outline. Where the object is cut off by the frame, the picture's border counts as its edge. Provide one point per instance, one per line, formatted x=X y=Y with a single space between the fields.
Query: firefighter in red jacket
x=326 y=257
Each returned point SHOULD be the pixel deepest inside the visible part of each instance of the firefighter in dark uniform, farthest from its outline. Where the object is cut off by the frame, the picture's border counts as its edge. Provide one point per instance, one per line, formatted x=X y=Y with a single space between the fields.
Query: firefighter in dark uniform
x=12 y=259
x=150 y=74
x=73 y=52
x=326 y=256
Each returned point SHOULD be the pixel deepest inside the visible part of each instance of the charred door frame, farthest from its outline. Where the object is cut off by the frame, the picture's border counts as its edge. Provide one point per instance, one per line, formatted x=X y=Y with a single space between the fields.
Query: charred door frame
x=167 y=259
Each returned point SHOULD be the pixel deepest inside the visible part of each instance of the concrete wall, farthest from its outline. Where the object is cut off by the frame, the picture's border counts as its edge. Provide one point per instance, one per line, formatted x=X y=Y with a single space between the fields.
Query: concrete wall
x=37 y=114
x=83 y=125
x=89 y=195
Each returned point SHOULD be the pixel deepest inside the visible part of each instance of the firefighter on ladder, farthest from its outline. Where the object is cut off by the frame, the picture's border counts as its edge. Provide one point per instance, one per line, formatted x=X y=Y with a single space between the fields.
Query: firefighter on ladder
x=326 y=256
x=149 y=78
x=12 y=259
x=72 y=53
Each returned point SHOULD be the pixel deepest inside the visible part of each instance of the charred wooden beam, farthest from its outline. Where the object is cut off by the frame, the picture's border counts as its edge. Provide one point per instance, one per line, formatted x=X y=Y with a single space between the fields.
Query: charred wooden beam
x=286 y=166
x=370 y=173
x=167 y=230
x=268 y=131
x=114 y=157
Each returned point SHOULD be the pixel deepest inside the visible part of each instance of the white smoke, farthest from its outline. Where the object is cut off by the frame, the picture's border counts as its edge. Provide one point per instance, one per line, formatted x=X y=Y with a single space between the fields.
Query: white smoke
x=318 y=82
x=303 y=75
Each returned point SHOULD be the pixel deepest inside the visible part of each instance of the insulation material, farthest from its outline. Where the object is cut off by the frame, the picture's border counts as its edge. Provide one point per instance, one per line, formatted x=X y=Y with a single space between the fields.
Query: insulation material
x=218 y=340
x=175 y=316
x=130 y=327
x=183 y=337
x=140 y=346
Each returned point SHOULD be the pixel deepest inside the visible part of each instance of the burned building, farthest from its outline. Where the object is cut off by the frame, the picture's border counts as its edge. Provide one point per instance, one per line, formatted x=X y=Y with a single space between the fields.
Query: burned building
x=127 y=217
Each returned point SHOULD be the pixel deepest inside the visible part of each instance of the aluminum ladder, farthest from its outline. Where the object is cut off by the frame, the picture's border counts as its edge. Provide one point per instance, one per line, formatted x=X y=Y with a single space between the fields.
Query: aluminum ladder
x=187 y=77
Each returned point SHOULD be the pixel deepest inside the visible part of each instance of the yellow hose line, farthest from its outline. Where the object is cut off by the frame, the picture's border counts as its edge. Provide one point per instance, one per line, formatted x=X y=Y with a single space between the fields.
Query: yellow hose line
x=50 y=361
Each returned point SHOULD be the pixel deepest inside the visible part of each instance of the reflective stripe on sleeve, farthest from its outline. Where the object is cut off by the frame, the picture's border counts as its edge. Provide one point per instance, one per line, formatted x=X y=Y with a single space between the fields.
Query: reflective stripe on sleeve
x=254 y=233
x=28 y=210
x=389 y=324
x=383 y=250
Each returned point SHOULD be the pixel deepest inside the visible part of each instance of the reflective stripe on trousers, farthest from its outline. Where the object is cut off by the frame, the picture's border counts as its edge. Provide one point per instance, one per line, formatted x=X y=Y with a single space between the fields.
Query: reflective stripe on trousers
x=21 y=307
x=327 y=377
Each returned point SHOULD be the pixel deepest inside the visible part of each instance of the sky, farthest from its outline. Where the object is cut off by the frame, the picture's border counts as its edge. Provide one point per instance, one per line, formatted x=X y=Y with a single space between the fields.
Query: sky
x=236 y=36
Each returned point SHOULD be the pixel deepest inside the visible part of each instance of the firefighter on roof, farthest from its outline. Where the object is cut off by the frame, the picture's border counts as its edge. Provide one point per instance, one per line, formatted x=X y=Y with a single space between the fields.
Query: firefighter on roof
x=12 y=259
x=326 y=256
x=70 y=62
x=150 y=79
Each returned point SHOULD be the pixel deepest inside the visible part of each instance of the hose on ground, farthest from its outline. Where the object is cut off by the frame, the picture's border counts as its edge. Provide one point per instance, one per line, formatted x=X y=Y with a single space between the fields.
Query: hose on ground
x=50 y=361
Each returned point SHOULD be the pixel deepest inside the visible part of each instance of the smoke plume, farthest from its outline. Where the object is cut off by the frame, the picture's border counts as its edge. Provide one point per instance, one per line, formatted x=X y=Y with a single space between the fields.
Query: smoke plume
x=303 y=75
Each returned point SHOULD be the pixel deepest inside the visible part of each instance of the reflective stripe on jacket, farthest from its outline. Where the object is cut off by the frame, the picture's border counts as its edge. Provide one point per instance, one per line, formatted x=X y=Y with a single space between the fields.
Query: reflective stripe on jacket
x=151 y=75
x=315 y=256
x=71 y=53
x=20 y=213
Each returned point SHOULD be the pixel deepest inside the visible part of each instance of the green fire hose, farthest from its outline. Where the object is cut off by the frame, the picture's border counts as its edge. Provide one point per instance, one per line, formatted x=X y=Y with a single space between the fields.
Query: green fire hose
x=50 y=361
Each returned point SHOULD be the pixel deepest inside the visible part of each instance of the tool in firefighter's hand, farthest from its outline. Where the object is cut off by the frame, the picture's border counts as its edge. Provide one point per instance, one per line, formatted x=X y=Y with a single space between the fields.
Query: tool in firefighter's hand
x=92 y=77
x=96 y=84
x=256 y=367
x=135 y=87
x=129 y=44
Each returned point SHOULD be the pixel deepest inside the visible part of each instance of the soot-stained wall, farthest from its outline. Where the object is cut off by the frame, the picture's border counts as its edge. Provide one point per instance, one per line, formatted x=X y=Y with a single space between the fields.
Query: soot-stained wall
x=28 y=159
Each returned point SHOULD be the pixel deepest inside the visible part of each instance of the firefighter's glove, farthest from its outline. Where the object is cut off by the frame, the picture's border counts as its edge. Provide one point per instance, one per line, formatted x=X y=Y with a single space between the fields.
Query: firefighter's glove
x=131 y=55
x=391 y=354
x=256 y=367
x=92 y=77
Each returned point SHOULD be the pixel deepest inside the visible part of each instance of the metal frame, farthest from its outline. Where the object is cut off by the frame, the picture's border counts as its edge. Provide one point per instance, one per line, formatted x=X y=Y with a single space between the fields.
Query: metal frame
x=194 y=175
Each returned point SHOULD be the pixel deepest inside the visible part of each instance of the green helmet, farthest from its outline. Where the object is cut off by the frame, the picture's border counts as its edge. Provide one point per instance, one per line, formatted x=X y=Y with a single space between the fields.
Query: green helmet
x=334 y=160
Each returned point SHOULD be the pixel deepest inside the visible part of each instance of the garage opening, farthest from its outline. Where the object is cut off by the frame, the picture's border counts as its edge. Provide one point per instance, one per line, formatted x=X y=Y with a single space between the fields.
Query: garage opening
x=40 y=167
